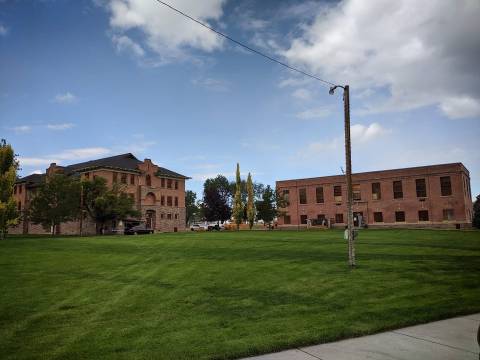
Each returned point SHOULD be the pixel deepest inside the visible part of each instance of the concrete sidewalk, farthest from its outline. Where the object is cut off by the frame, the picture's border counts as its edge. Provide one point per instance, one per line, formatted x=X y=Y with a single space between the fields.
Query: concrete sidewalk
x=454 y=338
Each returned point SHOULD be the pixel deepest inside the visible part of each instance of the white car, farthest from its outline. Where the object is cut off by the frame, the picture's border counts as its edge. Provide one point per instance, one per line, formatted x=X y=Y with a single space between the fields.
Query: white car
x=198 y=227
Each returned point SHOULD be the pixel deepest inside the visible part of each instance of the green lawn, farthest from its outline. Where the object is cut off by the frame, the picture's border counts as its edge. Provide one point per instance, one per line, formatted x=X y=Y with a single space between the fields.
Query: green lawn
x=225 y=295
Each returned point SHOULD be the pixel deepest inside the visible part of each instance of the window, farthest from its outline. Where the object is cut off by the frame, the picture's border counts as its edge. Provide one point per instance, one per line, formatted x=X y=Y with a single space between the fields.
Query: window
x=286 y=195
x=162 y=216
x=169 y=201
x=337 y=193
x=162 y=200
x=132 y=196
x=19 y=206
x=132 y=179
x=303 y=219
x=319 y=195
x=169 y=216
x=376 y=192
x=339 y=218
x=302 y=193
x=397 y=190
x=148 y=180
x=169 y=183
x=400 y=216
x=115 y=177
x=421 y=187
x=123 y=179
x=176 y=201
x=176 y=216
x=20 y=189
x=378 y=217
x=15 y=189
x=446 y=185
x=423 y=215
x=87 y=175
x=176 y=185
x=163 y=182
x=448 y=214
x=357 y=196
x=287 y=220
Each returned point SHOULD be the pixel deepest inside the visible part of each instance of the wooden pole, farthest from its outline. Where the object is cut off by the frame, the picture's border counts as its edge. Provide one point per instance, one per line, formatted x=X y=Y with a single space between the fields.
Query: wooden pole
x=348 y=174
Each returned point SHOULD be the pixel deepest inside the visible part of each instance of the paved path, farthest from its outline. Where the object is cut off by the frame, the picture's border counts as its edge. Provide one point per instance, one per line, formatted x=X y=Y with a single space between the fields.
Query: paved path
x=440 y=340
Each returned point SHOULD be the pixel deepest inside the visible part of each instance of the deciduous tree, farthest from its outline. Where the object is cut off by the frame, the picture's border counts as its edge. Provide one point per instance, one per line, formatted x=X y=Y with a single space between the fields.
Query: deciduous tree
x=476 y=213
x=216 y=199
x=105 y=204
x=8 y=173
x=191 y=208
x=56 y=201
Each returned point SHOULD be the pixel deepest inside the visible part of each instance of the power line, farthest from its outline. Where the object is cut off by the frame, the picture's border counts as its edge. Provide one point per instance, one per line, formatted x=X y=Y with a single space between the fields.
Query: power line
x=243 y=45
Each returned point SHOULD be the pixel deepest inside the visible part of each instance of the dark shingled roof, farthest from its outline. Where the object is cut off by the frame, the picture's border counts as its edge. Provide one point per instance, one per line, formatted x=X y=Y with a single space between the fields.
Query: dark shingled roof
x=123 y=162
x=33 y=179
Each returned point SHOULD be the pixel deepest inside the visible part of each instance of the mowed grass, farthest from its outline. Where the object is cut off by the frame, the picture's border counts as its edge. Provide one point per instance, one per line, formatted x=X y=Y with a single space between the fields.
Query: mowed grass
x=225 y=295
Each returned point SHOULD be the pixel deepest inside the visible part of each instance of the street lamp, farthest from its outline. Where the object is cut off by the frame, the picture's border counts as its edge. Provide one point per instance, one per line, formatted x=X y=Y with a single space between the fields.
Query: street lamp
x=348 y=172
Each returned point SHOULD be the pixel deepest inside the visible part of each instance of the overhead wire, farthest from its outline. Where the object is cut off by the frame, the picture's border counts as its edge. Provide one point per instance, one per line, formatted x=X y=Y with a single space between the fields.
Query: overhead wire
x=243 y=45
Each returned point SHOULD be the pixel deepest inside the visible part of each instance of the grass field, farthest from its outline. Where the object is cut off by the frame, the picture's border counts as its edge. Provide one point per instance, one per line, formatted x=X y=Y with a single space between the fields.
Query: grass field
x=225 y=295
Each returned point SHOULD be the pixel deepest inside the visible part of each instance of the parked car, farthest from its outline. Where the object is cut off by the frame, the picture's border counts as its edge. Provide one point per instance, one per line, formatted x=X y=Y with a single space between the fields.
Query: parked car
x=137 y=228
x=198 y=227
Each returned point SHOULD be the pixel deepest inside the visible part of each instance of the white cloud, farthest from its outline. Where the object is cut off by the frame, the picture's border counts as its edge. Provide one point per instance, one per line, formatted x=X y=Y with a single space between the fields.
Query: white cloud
x=314 y=113
x=364 y=133
x=302 y=94
x=461 y=107
x=66 y=98
x=38 y=171
x=212 y=84
x=359 y=134
x=21 y=129
x=124 y=43
x=66 y=155
x=3 y=30
x=419 y=52
x=165 y=32
x=62 y=126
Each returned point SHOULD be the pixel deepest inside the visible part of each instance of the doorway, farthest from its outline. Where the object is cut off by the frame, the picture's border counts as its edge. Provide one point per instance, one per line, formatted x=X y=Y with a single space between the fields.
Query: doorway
x=150 y=219
x=358 y=219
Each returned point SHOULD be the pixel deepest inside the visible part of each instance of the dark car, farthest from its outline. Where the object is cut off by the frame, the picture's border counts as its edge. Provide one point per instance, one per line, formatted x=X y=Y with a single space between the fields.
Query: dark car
x=137 y=228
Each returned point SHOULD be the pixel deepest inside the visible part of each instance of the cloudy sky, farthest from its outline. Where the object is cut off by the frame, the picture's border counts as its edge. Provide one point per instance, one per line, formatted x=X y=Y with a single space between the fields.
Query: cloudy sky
x=91 y=78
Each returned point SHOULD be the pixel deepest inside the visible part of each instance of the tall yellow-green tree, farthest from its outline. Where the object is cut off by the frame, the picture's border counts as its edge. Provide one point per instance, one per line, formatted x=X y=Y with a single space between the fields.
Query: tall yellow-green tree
x=250 y=202
x=8 y=173
x=237 y=201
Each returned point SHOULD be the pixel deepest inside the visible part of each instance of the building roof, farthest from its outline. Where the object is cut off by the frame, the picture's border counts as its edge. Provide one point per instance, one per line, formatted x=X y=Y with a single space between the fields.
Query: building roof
x=400 y=172
x=32 y=179
x=126 y=162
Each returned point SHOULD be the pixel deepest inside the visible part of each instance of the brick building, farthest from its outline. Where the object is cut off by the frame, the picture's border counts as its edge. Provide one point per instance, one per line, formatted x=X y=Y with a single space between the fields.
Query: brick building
x=426 y=196
x=158 y=193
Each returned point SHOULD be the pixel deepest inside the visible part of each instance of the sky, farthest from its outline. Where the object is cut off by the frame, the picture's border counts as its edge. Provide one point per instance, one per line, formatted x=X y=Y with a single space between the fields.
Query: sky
x=86 y=79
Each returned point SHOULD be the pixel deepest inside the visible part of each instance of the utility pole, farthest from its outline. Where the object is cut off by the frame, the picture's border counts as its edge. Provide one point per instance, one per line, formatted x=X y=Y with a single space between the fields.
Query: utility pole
x=348 y=174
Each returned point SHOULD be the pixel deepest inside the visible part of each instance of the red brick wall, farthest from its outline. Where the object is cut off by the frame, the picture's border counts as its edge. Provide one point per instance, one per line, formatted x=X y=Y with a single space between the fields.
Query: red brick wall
x=460 y=200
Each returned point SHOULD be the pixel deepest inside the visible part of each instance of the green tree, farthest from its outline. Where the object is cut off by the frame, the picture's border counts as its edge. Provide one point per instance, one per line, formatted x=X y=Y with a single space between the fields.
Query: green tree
x=270 y=206
x=250 y=202
x=105 y=204
x=216 y=199
x=476 y=213
x=191 y=208
x=238 y=210
x=8 y=173
x=56 y=201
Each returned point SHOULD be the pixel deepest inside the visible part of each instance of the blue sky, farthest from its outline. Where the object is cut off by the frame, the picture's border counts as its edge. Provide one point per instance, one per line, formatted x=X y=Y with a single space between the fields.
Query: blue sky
x=86 y=79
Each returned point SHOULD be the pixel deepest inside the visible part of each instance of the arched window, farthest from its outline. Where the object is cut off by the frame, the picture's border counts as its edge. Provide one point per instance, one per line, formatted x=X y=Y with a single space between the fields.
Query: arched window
x=150 y=199
x=149 y=180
